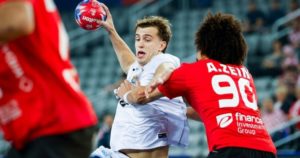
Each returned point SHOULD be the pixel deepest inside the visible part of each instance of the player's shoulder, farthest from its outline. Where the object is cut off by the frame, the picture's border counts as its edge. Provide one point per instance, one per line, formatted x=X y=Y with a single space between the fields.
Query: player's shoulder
x=165 y=56
x=162 y=58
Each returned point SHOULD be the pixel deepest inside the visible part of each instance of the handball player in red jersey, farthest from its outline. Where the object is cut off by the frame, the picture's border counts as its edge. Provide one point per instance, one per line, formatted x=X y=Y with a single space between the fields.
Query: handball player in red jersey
x=220 y=90
x=43 y=112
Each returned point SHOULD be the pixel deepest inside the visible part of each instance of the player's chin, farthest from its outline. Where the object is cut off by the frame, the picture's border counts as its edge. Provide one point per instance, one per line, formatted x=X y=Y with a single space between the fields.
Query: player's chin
x=141 y=61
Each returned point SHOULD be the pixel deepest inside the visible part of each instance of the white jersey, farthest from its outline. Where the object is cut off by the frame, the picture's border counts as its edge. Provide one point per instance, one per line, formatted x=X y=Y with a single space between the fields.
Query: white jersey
x=159 y=123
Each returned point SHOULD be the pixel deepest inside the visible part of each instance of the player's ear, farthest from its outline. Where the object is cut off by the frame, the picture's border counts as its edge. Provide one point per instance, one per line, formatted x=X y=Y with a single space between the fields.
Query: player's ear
x=163 y=45
x=198 y=55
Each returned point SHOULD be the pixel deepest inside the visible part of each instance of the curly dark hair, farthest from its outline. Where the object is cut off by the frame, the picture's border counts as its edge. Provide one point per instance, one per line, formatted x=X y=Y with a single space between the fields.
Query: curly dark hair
x=220 y=38
x=162 y=24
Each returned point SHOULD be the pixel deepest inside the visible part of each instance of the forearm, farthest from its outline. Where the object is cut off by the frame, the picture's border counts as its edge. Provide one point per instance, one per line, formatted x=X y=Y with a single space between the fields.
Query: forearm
x=17 y=20
x=144 y=96
x=192 y=114
x=139 y=97
x=163 y=72
x=123 y=52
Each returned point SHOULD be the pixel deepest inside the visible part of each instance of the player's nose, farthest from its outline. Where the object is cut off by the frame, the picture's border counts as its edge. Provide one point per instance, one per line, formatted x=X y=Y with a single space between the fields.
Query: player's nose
x=140 y=44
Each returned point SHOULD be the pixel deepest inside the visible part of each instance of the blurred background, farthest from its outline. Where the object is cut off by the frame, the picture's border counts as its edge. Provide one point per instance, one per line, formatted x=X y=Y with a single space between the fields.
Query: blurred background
x=272 y=32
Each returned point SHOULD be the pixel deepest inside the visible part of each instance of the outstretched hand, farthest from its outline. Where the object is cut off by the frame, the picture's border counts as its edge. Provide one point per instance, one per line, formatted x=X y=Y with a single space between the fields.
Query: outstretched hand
x=108 y=23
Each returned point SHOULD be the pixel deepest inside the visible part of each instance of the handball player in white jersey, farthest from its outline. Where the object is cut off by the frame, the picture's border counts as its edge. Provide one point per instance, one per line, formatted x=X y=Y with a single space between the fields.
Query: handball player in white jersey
x=145 y=131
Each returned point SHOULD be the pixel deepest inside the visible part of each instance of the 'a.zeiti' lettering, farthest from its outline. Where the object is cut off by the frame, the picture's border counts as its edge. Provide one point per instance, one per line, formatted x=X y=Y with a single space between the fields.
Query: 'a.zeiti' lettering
x=235 y=71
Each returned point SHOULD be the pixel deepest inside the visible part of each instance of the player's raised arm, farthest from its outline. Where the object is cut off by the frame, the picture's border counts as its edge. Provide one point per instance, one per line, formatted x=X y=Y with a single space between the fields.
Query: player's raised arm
x=17 y=19
x=123 y=52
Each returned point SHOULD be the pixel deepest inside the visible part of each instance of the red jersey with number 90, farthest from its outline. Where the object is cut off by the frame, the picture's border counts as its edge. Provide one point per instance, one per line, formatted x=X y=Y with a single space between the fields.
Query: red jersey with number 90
x=225 y=98
x=39 y=91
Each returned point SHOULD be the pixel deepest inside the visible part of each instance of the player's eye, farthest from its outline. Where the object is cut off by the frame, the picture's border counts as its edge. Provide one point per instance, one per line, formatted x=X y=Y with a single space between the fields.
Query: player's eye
x=147 y=39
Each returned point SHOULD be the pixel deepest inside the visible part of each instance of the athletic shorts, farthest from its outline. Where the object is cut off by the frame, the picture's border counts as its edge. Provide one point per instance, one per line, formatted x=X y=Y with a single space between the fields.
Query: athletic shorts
x=234 y=152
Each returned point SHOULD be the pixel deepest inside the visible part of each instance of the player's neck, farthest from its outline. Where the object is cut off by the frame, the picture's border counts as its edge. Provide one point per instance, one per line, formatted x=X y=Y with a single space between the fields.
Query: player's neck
x=203 y=57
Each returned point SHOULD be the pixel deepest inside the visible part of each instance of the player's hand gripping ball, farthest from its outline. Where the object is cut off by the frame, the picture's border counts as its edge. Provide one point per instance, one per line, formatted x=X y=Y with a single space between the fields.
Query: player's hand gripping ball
x=89 y=14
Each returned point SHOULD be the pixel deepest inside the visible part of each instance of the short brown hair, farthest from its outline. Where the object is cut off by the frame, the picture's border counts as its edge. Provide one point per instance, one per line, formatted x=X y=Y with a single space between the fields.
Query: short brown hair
x=220 y=38
x=162 y=24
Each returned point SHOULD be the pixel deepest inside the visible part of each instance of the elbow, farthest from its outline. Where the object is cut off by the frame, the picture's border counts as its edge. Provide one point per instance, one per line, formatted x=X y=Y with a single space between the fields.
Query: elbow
x=25 y=27
x=10 y=33
x=18 y=20
x=14 y=32
x=28 y=29
x=25 y=24
x=21 y=31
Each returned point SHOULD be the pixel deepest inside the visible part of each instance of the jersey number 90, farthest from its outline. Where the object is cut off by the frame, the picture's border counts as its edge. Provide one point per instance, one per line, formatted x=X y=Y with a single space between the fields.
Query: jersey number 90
x=234 y=89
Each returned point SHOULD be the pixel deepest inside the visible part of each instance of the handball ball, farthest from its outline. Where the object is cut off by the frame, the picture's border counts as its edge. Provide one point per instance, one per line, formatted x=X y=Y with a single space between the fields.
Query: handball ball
x=89 y=14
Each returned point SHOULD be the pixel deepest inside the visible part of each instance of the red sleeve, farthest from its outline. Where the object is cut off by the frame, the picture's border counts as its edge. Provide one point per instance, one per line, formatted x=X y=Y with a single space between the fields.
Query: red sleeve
x=176 y=85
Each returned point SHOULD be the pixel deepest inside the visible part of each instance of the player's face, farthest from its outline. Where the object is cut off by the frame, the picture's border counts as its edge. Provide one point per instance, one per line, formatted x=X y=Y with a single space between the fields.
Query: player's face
x=147 y=44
